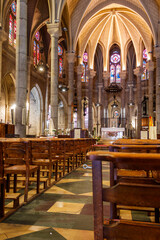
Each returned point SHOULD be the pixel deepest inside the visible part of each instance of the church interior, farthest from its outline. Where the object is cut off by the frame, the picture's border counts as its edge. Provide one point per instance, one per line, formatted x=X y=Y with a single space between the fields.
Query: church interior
x=79 y=119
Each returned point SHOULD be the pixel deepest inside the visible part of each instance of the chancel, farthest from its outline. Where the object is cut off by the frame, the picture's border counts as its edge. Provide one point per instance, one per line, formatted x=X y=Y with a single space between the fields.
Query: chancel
x=76 y=76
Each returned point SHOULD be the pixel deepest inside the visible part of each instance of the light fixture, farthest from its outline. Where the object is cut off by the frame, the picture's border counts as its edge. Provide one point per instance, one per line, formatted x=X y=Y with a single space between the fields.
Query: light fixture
x=131 y=104
x=41 y=66
x=114 y=105
x=98 y=104
x=62 y=86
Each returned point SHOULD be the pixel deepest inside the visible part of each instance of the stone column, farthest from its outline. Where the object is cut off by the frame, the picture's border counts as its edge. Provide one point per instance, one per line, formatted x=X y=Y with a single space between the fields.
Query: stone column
x=150 y=69
x=157 y=54
x=99 y=107
x=53 y=30
x=70 y=58
x=21 y=68
x=29 y=62
x=138 y=72
x=123 y=76
x=130 y=106
x=106 y=77
x=79 y=70
x=3 y=37
x=90 y=97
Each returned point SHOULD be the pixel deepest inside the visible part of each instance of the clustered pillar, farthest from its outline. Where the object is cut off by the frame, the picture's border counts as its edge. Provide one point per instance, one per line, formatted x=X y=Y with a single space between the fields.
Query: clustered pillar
x=79 y=96
x=53 y=30
x=157 y=53
x=71 y=58
x=3 y=37
x=90 y=97
x=138 y=72
x=123 y=76
x=150 y=68
x=21 y=68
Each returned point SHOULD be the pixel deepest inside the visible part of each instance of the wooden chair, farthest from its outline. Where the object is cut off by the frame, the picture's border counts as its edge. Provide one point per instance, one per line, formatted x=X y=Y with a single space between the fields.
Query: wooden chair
x=16 y=155
x=70 y=154
x=123 y=193
x=58 y=157
x=40 y=156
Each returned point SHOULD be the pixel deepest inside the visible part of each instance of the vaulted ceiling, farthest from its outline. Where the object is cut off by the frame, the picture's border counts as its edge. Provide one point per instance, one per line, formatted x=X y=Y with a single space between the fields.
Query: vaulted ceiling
x=108 y=22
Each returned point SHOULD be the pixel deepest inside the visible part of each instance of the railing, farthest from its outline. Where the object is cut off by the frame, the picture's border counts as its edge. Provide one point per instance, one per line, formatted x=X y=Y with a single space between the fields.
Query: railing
x=113 y=122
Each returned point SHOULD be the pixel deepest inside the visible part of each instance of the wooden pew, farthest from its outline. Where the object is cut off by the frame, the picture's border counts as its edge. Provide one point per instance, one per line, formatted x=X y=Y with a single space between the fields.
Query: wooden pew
x=134 y=176
x=130 y=194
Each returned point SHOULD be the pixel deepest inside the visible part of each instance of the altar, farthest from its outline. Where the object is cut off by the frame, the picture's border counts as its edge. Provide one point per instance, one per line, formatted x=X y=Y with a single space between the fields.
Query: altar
x=112 y=133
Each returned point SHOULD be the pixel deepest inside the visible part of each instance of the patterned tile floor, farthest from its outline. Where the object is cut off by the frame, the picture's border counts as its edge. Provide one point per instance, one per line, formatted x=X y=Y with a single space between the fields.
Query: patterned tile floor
x=65 y=211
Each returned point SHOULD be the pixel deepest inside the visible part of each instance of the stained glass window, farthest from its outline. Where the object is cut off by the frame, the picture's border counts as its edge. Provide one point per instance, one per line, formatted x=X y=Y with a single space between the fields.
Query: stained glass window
x=36 y=49
x=60 y=67
x=115 y=58
x=37 y=36
x=118 y=70
x=10 y=29
x=115 y=67
x=145 y=72
x=12 y=24
x=13 y=8
x=112 y=73
x=60 y=53
x=60 y=50
x=84 y=77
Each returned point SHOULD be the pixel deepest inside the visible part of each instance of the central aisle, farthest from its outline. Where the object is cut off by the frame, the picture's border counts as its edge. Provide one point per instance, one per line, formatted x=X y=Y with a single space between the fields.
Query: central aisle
x=65 y=211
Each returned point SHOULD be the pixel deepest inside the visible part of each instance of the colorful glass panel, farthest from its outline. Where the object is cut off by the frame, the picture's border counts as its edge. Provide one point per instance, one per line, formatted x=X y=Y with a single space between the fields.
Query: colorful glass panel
x=34 y=53
x=37 y=36
x=13 y=8
x=145 y=54
x=115 y=58
x=60 y=50
x=38 y=54
x=85 y=57
x=112 y=73
x=10 y=29
x=144 y=75
x=118 y=70
x=60 y=67
x=15 y=32
x=116 y=113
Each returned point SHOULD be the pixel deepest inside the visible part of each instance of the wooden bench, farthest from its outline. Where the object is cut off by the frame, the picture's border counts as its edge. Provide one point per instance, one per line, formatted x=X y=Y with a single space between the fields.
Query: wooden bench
x=129 y=194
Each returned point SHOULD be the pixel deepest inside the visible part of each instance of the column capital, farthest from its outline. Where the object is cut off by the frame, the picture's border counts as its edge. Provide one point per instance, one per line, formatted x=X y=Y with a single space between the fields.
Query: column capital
x=100 y=85
x=92 y=73
x=106 y=75
x=79 y=69
x=157 y=52
x=3 y=35
x=70 y=57
x=138 y=71
x=130 y=85
x=150 y=66
x=123 y=75
x=53 y=29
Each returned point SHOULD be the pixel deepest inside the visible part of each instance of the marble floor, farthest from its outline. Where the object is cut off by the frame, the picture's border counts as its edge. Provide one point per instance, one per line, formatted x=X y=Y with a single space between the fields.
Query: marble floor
x=64 y=211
